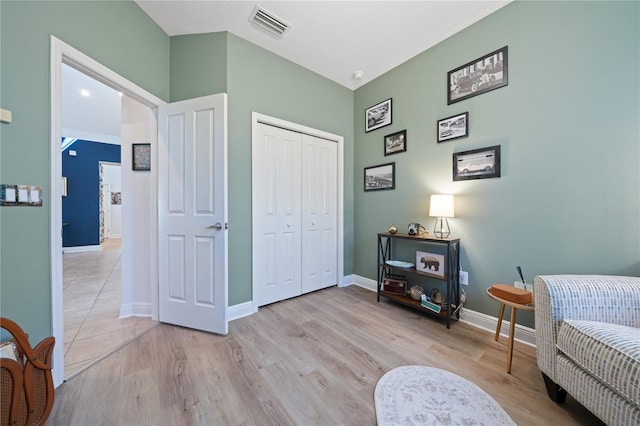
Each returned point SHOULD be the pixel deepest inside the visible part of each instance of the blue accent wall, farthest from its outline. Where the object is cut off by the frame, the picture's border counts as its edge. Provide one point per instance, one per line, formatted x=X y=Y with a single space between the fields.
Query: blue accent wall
x=81 y=206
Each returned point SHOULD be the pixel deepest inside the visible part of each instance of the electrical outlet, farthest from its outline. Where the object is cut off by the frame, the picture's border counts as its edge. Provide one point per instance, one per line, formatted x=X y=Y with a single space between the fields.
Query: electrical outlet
x=464 y=277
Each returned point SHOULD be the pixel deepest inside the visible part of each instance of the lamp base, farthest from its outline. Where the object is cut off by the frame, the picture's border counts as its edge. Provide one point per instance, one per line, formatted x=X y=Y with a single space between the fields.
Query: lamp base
x=441 y=228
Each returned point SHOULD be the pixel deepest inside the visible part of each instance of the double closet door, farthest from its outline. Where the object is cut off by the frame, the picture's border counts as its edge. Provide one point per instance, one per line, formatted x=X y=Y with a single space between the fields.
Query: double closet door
x=295 y=214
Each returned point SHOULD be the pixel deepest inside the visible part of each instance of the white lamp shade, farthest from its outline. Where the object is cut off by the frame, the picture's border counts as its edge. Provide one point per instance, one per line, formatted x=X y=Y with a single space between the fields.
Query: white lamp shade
x=441 y=206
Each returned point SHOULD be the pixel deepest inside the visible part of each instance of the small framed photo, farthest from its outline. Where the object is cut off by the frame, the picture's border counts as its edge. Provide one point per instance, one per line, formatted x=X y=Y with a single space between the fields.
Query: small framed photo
x=141 y=153
x=380 y=177
x=430 y=263
x=487 y=73
x=395 y=142
x=395 y=286
x=378 y=116
x=454 y=127
x=480 y=163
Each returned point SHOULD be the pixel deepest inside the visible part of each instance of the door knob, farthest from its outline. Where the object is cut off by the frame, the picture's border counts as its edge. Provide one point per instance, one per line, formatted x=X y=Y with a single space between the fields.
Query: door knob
x=217 y=226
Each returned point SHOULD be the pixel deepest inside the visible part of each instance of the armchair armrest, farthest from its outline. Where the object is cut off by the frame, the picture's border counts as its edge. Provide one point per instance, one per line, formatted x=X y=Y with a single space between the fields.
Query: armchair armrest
x=610 y=299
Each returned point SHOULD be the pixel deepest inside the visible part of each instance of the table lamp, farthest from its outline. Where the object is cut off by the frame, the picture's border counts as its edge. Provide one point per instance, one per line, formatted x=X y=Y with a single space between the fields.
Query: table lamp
x=441 y=207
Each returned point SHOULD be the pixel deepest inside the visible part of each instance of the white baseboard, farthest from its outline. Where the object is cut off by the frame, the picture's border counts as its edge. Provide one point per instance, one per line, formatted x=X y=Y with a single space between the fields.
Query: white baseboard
x=477 y=319
x=80 y=249
x=487 y=322
x=135 y=310
x=241 y=310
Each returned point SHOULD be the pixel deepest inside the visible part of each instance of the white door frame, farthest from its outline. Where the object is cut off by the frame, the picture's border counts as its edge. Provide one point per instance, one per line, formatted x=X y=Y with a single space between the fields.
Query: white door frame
x=265 y=119
x=64 y=53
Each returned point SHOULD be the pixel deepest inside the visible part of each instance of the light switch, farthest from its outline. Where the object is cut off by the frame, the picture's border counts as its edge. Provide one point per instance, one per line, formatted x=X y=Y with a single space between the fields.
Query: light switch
x=23 y=195
x=10 y=195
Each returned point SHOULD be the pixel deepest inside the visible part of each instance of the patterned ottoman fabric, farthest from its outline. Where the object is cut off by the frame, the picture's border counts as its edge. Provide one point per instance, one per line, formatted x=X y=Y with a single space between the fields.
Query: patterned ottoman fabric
x=609 y=352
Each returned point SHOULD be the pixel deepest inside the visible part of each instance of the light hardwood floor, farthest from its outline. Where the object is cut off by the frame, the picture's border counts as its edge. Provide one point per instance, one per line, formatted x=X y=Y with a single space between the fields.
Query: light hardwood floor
x=311 y=360
x=92 y=294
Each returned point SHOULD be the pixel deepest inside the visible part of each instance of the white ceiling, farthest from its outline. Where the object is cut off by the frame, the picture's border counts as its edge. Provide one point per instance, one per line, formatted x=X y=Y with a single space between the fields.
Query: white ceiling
x=332 y=38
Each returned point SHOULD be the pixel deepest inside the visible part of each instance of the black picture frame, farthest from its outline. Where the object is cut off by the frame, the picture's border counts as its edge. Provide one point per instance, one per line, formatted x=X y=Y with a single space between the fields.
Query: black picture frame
x=480 y=163
x=482 y=75
x=395 y=143
x=380 y=177
x=141 y=157
x=454 y=127
x=378 y=116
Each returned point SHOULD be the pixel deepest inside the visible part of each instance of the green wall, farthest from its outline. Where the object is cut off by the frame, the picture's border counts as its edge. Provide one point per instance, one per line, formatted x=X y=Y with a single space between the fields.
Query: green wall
x=198 y=65
x=568 y=200
x=116 y=34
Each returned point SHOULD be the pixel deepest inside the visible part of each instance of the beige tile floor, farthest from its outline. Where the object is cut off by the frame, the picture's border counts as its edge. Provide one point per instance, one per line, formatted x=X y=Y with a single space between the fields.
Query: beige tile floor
x=92 y=294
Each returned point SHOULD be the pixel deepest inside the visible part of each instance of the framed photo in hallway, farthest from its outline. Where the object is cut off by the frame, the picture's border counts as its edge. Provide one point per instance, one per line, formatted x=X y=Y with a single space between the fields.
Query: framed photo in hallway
x=141 y=153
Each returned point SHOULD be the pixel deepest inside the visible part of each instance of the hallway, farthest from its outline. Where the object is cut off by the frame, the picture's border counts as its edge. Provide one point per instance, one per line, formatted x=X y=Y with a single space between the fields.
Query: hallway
x=92 y=295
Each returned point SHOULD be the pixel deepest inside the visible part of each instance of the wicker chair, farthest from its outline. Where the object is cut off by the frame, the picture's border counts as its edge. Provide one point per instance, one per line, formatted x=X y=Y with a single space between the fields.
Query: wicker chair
x=25 y=377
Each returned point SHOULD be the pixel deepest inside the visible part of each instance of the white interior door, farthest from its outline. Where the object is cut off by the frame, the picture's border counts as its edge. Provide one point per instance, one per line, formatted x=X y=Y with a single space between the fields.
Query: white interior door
x=319 y=213
x=277 y=215
x=192 y=167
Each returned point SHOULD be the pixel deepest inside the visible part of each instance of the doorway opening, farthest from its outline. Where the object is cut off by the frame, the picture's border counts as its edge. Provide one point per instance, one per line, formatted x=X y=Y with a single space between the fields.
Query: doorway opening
x=109 y=258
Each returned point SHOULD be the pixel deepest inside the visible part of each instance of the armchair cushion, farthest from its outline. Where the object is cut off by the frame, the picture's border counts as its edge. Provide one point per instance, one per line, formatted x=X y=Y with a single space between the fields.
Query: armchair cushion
x=609 y=352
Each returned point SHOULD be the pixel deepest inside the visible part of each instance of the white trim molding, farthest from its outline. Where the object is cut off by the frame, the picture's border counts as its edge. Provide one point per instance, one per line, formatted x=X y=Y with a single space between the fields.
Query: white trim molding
x=241 y=310
x=486 y=322
x=135 y=310
x=81 y=249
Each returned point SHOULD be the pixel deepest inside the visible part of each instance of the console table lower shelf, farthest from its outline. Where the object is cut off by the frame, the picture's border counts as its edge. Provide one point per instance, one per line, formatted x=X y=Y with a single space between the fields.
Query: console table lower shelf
x=407 y=301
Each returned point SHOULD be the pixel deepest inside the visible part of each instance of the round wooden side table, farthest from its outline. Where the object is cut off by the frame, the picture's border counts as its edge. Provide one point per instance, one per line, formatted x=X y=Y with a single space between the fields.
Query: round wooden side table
x=514 y=307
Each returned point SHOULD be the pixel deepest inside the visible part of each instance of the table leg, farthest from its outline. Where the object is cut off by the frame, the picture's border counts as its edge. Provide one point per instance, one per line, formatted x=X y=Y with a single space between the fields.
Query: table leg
x=512 y=330
x=500 y=321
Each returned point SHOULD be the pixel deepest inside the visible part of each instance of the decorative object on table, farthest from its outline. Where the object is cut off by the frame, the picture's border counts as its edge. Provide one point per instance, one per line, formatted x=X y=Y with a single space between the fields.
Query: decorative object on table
x=441 y=206
x=430 y=305
x=415 y=394
x=141 y=156
x=480 y=163
x=377 y=116
x=400 y=264
x=416 y=292
x=394 y=286
x=393 y=229
x=436 y=297
x=382 y=176
x=481 y=75
x=454 y=127
x=430 y=263
x=415 y=228
x=395 y=142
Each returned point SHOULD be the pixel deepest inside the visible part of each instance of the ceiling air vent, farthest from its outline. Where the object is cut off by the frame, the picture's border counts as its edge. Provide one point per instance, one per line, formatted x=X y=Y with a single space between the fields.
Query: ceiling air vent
x=268 y=21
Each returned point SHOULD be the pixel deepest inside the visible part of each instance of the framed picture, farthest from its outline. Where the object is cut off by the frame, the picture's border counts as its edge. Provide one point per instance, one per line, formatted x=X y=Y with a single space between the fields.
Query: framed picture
x=430 y=263
x=395 y=142
x=380 y=177
x=453 y=127
x=477 y=164
x=141 y=153
x=395 y=286
x=378 y=116
x=481 y=75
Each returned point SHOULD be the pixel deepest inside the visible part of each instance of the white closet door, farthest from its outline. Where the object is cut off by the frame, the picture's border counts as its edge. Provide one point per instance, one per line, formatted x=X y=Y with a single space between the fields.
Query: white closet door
x=319 y=213
x=277 y=215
